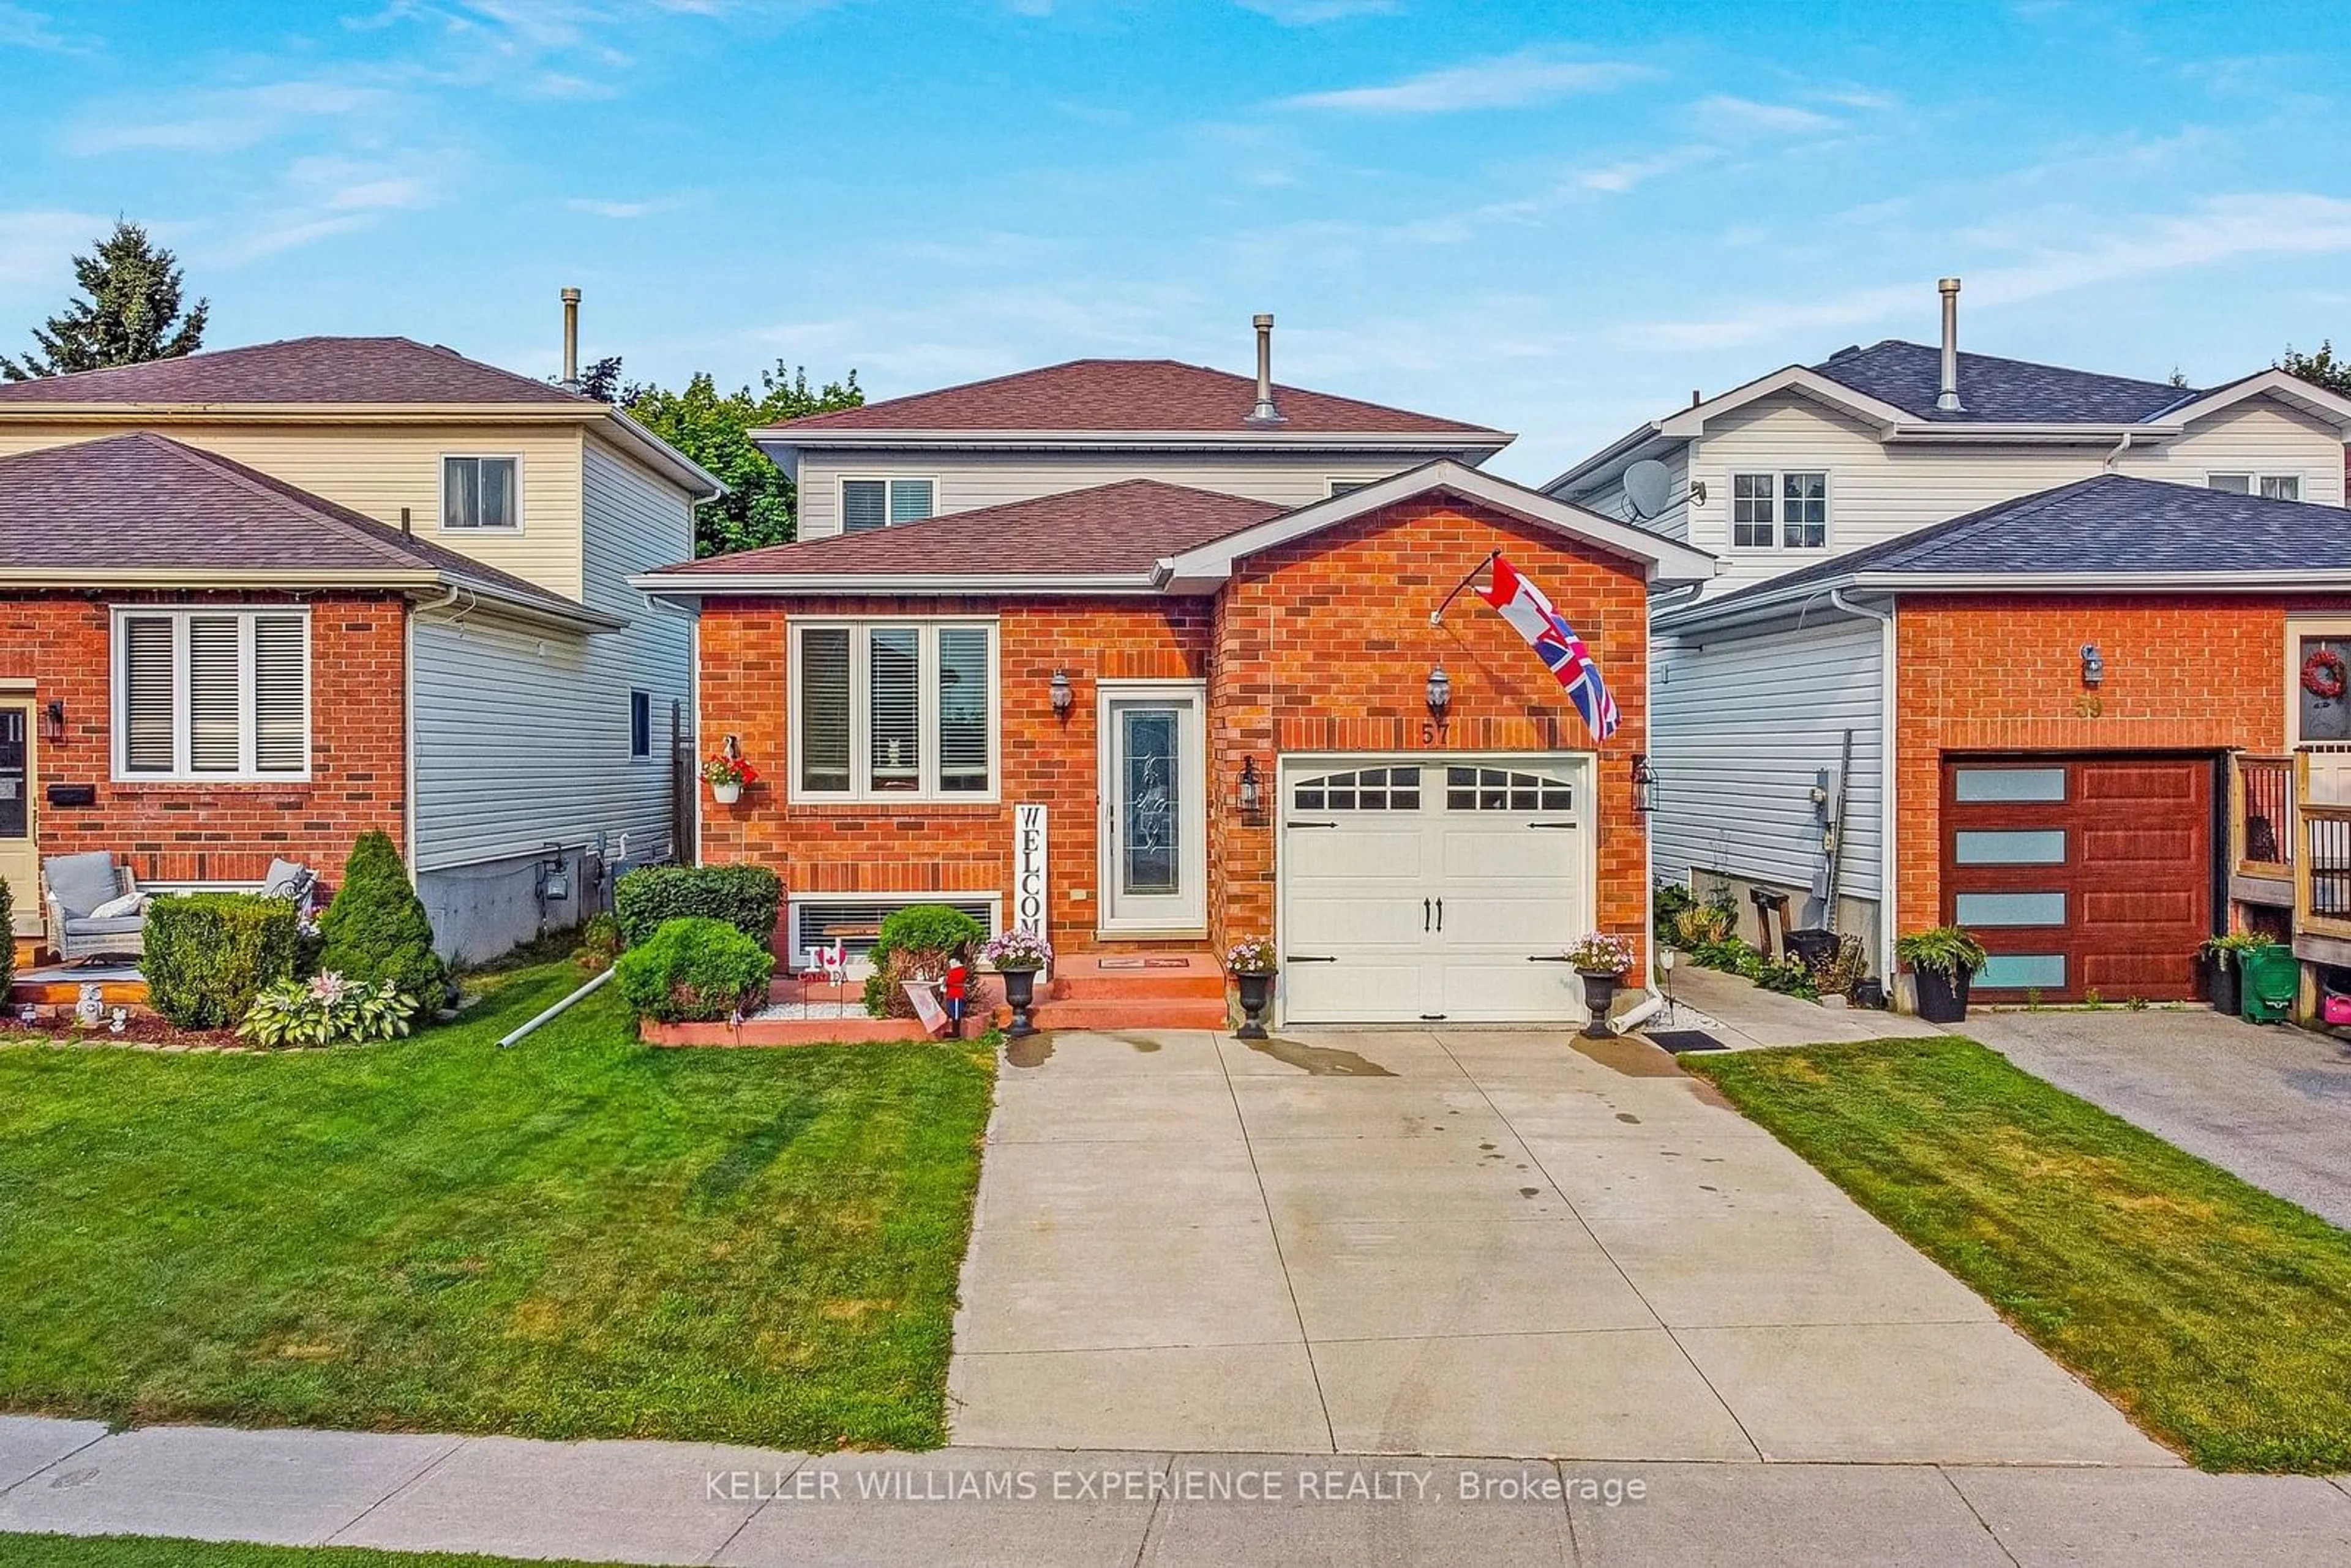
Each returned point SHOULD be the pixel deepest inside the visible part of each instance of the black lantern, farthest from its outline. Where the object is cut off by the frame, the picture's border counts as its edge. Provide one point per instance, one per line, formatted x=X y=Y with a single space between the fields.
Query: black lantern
x=1252 y=791
x=1062 y=693
x=52 y=721
x=1441 y=693
x=2094 y=665
x=1645 y=784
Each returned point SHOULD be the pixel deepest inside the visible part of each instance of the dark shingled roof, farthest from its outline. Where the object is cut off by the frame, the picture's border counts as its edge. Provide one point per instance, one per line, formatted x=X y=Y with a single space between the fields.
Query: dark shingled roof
x=1111 y=529
x=1125 y=395
x=300 y=369
x=147 y=502
x=1997 y=391
x=2109 y=528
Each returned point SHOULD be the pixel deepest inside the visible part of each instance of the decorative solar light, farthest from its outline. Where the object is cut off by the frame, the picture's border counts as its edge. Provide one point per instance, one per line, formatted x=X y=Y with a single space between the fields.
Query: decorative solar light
x=2094 y=665
x=1063 y=693
x=1441 y=693
x=52 y=721
x=1645 y=784
x=1252 y=793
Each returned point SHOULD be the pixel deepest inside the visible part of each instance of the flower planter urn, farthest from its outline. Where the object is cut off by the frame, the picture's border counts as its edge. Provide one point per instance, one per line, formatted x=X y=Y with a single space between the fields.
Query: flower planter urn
x=1600 y=995
x=1942 y=994
x=1257 y=994
x=1019 y=995
x=726 y=794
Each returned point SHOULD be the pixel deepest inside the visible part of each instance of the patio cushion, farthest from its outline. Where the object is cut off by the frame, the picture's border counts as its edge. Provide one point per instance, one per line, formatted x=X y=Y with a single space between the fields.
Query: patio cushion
x=83 y=881
x=118 y=909
x=120 y=926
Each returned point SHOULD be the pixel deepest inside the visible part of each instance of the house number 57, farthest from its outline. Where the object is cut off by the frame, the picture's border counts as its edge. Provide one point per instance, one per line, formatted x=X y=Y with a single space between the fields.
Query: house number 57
x=1433 y=732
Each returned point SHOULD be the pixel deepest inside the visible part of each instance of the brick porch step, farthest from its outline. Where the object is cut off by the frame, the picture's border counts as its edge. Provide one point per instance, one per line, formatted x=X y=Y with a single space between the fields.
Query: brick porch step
x=1113 y=1013
x=1105 y=977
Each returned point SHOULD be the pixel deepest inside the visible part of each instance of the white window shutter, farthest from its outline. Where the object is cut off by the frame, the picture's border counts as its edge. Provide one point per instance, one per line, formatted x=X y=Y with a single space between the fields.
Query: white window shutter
x=281 y=694
x=147 y=687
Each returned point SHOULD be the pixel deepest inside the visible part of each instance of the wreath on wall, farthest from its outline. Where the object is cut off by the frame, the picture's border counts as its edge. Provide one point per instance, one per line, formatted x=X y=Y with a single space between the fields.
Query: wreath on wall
x=2323 y=674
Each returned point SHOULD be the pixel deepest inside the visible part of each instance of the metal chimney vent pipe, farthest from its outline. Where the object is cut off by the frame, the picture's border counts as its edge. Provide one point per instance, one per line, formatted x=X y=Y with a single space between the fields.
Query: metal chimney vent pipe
x=572 y=339
x=1265 y=412
x=1947 y=401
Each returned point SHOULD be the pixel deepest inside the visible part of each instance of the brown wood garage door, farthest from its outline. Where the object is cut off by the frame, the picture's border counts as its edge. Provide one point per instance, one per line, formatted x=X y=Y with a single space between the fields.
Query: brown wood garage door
x=2081 y=873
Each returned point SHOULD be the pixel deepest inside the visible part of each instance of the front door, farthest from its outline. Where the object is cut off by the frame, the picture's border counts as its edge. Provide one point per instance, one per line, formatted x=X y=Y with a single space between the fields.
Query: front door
x=1155 y=816
x=20 y=860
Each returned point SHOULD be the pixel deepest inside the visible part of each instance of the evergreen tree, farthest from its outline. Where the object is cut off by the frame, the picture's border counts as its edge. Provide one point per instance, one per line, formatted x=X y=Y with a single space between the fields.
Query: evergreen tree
x=132 y=313
x=2320 y=369
x=376 y=929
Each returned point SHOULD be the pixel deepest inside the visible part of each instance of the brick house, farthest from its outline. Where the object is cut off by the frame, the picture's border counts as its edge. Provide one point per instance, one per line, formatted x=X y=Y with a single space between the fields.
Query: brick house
x=257 y=602
x=1217 y=697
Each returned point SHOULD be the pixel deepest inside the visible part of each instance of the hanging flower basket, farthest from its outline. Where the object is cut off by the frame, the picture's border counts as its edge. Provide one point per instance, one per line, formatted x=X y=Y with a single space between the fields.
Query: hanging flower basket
x=727 y=775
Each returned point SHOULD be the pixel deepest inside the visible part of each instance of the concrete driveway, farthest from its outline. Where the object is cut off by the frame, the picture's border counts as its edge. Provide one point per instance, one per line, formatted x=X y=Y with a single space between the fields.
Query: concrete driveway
x=2271 y=1104
x=1458 y=1243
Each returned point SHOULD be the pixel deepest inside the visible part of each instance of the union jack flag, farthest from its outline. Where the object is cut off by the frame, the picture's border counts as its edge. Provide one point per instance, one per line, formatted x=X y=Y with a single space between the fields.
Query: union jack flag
x=1522 y=604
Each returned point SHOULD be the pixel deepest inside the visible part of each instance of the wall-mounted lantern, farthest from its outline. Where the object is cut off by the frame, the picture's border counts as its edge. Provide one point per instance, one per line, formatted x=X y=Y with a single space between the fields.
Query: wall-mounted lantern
x=1252 y=791
x=2094 y=665
x=1441 y=693
x=1064 y=695
x=1645 y=784
x=52 y=721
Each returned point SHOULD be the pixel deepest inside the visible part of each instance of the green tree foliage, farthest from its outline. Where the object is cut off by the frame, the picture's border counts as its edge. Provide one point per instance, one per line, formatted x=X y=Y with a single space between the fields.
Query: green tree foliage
x=2320 y=369
x=760 y=506
x=132 y=312
x=376 y=929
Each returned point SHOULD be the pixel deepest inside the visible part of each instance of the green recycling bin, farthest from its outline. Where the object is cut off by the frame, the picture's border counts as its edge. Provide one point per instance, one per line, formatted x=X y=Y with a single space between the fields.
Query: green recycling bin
x=2272 y=977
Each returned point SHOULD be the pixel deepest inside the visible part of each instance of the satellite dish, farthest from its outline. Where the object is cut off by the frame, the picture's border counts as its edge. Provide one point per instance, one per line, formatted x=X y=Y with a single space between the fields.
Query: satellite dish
x=1646 y=485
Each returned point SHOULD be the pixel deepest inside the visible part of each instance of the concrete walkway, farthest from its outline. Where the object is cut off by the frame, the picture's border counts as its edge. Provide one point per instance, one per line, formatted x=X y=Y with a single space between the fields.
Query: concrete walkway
x=675 y=1502
x=1743 y=1014
x=1460 y=1243
x=2271 y=1104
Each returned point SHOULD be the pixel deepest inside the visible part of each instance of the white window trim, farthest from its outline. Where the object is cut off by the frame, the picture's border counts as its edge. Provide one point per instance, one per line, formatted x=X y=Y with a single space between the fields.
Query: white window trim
x=926 y=708
x=118 y=723
x=1779 y=545
x=859 y=967
x=629 y=738
x=2255 y=477
x=441 y=497
x=841 y=482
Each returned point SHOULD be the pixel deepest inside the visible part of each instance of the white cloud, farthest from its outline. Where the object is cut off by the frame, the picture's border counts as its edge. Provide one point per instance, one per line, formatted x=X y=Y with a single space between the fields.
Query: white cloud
x=37 y=247
x=226 y=119
x=22 y=27
x=597 y=207
x=1314 y=13
x=1733 y=115
x=1509 y=81
x=1614 y=179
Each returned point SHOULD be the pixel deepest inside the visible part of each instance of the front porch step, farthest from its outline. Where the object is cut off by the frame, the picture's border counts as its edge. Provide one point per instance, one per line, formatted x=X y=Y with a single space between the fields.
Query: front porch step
x=1142 y=1012
x=55 y=991
x=1127 y=976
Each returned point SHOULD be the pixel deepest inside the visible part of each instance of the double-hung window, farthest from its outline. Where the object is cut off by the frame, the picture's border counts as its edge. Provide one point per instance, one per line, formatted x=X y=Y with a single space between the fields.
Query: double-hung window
x=214 y=696
x=2269 y=486
x=480 y=493
x=893 y=710
x=870 y=504
x=1784 y=510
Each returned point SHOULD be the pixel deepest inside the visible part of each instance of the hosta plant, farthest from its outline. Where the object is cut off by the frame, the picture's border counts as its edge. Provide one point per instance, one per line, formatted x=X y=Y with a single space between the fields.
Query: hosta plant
x=327 y=1010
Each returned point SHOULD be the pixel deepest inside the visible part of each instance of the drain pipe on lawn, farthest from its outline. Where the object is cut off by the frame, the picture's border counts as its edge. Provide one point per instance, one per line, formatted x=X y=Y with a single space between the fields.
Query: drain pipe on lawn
x=556 y=1009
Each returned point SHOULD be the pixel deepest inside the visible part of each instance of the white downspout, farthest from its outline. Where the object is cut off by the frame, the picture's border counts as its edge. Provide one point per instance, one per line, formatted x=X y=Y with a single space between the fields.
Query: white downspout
x=2120 y=447
x=1889 y=758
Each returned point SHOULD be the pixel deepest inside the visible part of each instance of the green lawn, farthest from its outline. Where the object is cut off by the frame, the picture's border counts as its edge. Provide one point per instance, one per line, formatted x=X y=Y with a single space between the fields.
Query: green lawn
x=2218 y=1316
x=581 y=1237
x=144 y=1551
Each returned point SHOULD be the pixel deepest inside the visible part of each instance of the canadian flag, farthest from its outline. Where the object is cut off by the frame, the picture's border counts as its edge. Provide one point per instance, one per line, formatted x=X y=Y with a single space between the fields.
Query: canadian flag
x=1522 y=604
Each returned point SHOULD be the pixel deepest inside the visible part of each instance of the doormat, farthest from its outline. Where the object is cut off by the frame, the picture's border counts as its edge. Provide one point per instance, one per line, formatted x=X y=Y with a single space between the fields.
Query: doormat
x=1678 y=1040
x=1143 y=963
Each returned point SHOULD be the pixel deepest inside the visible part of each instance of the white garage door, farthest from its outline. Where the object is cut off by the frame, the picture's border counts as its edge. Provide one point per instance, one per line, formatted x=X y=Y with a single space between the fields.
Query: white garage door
x=1417 y=890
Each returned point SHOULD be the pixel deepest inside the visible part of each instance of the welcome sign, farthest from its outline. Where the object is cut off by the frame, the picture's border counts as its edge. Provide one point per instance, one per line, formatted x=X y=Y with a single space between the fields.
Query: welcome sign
x=1031 y=894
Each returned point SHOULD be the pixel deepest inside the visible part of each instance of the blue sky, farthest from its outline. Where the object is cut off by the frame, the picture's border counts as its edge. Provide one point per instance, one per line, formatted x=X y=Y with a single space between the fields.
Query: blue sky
x=1559 y=219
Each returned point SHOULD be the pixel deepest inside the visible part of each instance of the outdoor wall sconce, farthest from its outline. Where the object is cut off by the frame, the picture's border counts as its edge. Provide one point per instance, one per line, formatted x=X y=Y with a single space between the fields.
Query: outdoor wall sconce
x=52 y=721
x=1441 y=693
x=1645 y=784
x=1063 y=695
x=1252 y=790
x=2094 y=665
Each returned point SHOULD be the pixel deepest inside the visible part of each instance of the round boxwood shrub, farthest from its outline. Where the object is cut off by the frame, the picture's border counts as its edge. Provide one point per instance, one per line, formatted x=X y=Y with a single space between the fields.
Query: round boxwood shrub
x=746 y=897
x=694 y=970
x=377 y=930
x=209 y=954
x=915 y=940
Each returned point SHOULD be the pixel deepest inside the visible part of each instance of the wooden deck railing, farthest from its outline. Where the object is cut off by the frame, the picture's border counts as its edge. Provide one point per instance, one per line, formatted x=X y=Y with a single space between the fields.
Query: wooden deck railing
x=2322 y=845
x=2261 y=795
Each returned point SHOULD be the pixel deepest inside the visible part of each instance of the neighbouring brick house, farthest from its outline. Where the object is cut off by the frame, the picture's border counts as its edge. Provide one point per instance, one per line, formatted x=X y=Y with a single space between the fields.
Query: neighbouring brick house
x=1219 y=697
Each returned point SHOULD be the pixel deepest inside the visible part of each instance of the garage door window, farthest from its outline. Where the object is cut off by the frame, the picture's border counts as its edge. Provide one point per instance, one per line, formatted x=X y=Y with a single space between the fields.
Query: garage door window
x=2020 y=846
x=1502 y=790
x=2010 y=908
x=1975 y=784
x=1361 y=789
x=2022 y=971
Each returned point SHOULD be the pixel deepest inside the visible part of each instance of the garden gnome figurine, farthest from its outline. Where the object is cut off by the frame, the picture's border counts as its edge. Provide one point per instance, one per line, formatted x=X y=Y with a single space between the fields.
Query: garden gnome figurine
x=958 y=983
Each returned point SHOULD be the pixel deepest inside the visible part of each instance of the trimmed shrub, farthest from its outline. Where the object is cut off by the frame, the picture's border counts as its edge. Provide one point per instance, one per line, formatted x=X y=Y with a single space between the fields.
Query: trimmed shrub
x=694 y=970
x=377 y=930
x=747 y=897
x=918 y=939
x=209 y=954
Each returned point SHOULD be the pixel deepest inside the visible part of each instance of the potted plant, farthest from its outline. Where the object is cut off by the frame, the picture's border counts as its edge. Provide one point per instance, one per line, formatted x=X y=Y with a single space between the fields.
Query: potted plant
x=1251 y=964
x=1943 y=960
x=1018 y=956
x=727 y=775
x=1601 y=960
x=2224 y=972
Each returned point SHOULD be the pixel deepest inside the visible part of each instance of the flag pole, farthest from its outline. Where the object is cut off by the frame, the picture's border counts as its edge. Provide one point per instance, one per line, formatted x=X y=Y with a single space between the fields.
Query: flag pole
x=1437 y=616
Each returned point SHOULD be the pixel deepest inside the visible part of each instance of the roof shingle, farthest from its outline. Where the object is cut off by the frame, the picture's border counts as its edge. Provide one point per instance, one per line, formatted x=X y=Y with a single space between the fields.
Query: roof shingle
x=299 y=371
x=1128 y=395
x=1997 y=391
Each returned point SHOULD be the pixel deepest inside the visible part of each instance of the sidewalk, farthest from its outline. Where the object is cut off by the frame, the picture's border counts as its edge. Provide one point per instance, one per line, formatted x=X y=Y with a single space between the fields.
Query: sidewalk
x=1743 y=1014
x=677 y=1503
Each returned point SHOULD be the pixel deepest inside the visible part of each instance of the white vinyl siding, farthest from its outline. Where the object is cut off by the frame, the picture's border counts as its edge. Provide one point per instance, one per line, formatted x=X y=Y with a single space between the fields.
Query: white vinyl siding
x=524 y=734
x=966 y=481
x=893 y=710
x=1673 y=522
x=1739 y=729
x=211 y=696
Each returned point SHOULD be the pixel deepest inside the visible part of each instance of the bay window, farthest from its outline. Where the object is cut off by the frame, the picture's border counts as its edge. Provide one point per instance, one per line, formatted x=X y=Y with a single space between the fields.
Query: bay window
x=893 y=710
x=215 y=696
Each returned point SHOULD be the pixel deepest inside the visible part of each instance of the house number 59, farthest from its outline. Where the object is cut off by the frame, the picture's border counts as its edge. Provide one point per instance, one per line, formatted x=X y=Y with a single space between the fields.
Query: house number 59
x=2088 y=706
